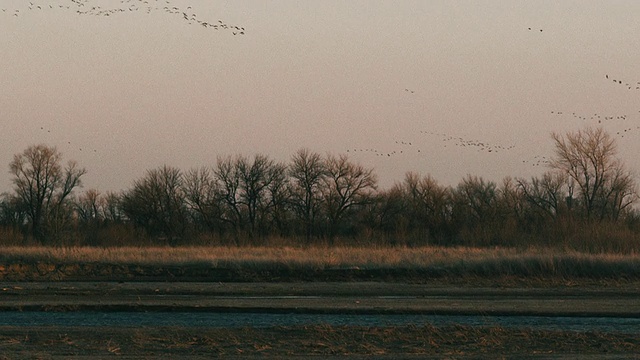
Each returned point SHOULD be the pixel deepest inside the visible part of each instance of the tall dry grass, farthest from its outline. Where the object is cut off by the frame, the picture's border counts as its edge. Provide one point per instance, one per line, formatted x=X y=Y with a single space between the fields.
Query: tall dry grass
x=456 y=261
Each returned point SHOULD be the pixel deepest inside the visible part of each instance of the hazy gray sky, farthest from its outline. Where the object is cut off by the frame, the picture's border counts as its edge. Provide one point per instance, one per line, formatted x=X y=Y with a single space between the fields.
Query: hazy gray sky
x=140 y=88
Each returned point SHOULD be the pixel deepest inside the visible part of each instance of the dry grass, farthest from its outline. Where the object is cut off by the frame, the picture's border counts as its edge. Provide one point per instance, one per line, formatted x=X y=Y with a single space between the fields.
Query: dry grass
x=435 y=260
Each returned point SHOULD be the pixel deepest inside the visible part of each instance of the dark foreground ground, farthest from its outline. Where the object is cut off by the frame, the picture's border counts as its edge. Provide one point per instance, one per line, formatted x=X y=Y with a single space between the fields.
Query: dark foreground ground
x=413 y=342
x=348 y=293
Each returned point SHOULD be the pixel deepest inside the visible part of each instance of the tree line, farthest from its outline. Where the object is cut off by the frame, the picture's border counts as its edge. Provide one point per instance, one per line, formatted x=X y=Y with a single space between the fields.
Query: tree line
x=586 y=198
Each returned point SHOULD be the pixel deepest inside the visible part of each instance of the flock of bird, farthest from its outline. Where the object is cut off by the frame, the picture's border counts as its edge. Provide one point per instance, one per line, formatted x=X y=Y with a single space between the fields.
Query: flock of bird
x=629 y=85
x=401 y=147
x=471 y=143
x=98 y=8
x=627 y=131
x=595 y=116
x=538 y=160
x=610 y=120
x=69 y=144
x=408 y=147
x=404 y=147
x=87 y=7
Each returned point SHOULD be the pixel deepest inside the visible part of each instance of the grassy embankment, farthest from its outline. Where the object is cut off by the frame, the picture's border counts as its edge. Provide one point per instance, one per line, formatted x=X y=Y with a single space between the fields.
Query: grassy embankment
x=264 y=263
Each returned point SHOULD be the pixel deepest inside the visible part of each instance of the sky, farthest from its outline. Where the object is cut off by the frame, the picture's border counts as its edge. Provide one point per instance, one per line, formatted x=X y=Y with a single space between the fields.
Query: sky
x=445 y=88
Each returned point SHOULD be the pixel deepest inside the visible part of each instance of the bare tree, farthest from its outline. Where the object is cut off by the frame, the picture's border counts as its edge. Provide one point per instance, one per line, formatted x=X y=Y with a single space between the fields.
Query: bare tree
x=201 y=195
x=588 y=157
x=227 y=179
x=476 y=211
x=346 y=186
x=255 y=179
x=12 y=211
x=546 y=194
x=252 y=191
x=273 y=210
x=89 y=206
x=429 y=203
x=307 y=172
x=478 y=198
x=390 y=211
x=621 y=194
x=510 y=198
x=113 y=207
x=43 y=185
x=156 y=203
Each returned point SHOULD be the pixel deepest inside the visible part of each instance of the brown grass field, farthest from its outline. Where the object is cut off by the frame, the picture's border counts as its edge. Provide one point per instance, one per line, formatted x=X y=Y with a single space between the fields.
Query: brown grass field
x=311 y=264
